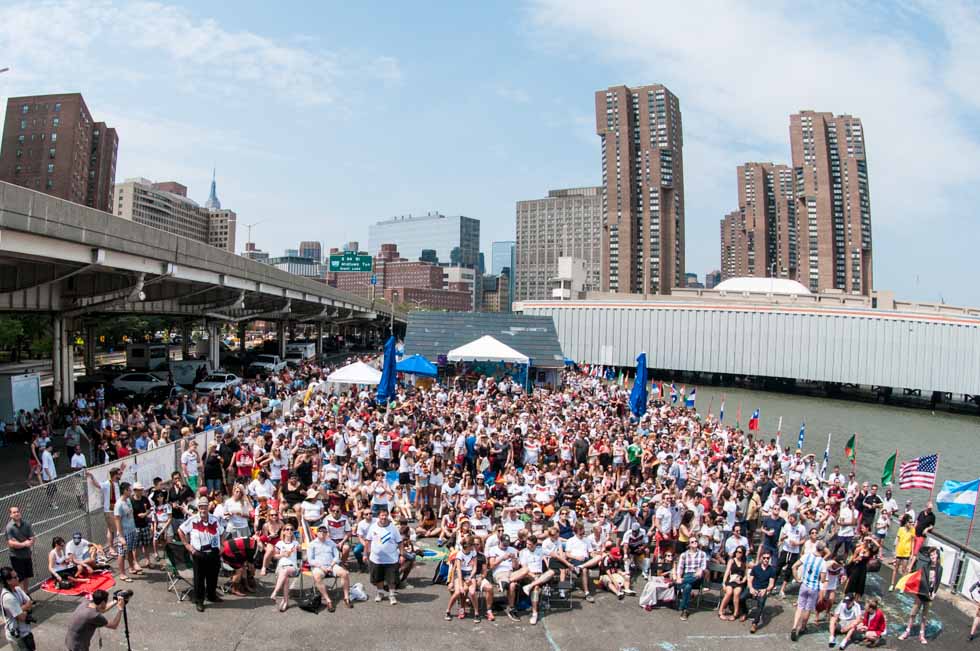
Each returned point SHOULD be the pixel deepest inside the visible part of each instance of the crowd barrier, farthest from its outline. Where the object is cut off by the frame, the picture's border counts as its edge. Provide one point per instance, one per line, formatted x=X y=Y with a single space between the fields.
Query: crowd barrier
x=71 y=503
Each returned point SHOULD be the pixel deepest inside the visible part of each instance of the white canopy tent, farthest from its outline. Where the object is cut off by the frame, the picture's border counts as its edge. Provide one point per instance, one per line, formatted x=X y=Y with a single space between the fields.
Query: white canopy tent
x=486 y=349
x=356 y=373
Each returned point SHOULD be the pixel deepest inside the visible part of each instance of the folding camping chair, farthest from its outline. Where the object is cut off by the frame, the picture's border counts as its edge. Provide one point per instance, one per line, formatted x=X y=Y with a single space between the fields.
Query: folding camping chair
x=180 y=571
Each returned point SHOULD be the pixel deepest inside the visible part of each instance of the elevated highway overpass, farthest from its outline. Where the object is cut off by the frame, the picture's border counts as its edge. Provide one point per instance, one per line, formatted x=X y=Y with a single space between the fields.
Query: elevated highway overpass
x=72 y=262
x=817 y=338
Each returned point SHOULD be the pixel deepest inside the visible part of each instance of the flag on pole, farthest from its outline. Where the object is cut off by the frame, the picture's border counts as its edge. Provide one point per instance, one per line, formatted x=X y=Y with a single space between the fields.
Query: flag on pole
x=619 y=378
x=799 y=439
x=779 y=434
x=888 y=474
x=721 y=411
x=754 y=421
x=690 y=398
x=826 y=458
x=958 y=498
x=673 y=394
x=738 y=416
x=850 y=449
x=919 y=472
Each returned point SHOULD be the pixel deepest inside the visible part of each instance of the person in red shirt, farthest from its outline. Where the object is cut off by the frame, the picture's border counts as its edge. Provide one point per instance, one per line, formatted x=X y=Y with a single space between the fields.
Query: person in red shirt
x=871 y=628
x=243 y=463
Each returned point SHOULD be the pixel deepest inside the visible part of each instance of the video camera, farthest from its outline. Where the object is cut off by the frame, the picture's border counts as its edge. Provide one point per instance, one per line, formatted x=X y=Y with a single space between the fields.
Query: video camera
x=125 y=594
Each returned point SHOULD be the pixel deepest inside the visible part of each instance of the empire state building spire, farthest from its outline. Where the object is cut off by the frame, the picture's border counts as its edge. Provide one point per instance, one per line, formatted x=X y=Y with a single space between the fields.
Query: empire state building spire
x=213 y=203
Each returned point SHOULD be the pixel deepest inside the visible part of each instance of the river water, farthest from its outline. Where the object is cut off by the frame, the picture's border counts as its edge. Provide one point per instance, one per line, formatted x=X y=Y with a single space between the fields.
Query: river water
x=880 y=431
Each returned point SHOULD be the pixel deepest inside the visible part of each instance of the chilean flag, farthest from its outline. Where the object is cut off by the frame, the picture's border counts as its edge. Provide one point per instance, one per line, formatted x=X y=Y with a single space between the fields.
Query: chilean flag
x=754 y=421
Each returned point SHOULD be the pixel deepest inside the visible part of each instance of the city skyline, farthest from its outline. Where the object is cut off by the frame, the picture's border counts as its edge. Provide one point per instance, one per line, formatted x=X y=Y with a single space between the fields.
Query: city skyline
x=527 y=121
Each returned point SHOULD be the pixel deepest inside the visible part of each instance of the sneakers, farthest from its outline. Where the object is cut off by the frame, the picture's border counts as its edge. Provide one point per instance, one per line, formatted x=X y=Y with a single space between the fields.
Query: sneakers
x=794 y=635
x=630 y=592
x=511 y=615
x=379 y=597
x=589 y=597
x=527 y=589
x=683 y=615
x=843 y=645
x=534 y=619
x=392 y=599
x=755 y=627
x=490 y=616
x=905 y=634
x=561 y=594
x=831 y=642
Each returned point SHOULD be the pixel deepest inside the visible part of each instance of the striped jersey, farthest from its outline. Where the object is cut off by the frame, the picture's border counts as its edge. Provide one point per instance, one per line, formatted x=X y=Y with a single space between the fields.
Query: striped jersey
x=811 y=569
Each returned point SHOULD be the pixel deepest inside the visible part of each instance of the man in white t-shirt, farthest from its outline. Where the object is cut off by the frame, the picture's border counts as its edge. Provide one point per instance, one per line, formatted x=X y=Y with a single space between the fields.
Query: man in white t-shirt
x=846 y=616
x=580 y=551
x=189 y=462
x=383 y=548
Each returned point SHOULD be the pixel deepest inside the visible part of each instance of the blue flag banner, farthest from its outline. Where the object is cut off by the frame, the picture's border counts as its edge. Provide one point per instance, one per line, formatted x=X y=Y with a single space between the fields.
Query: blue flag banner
x=386 y=387
x=958 y=498
x=638 y=396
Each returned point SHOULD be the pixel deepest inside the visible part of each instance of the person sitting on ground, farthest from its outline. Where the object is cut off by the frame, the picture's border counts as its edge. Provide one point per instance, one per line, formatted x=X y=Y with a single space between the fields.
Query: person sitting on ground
x=239 y=555
x=61 y=567
x=871 y=629
x=612 y=571
x=845 y=620
x=83 y=552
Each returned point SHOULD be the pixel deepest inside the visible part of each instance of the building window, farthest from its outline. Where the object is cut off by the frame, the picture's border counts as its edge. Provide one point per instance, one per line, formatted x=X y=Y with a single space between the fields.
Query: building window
x=49 y=184
x=56 y=122
x=54 y=137
x=23 y=124
x=20 y=140
x=57 y=107
x=51 y=153
x=50 y=168
x=17 y=169
x=20 y=152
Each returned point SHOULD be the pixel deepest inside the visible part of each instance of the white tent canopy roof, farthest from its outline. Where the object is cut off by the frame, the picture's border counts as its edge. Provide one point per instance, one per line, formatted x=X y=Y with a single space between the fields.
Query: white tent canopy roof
x=486 y=349
x=356 y=373
x=754 y=285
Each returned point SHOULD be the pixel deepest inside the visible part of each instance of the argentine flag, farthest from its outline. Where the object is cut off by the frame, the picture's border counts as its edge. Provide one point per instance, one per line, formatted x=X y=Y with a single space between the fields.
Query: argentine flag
x=690 y=398
x=958 y=499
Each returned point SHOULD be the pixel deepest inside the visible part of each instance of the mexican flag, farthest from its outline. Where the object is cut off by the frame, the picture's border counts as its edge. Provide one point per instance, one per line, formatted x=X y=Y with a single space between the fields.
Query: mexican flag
x=850 y=449
x=888 y=474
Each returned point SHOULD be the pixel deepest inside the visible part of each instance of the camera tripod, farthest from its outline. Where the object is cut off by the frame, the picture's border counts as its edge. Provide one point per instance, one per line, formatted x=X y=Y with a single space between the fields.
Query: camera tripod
x=129 y=645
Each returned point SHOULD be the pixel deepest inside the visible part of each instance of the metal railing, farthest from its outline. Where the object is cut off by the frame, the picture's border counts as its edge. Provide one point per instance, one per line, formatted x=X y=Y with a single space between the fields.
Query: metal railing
x=961 y=564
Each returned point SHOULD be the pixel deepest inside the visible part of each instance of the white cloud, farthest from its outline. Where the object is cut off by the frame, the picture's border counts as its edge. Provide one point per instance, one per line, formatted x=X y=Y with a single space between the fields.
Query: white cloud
x=740 y=70
x=512 y=94
x=125 y=41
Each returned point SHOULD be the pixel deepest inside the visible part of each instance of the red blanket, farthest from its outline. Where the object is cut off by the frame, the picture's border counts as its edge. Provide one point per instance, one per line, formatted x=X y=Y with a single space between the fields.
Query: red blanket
x=86 y=586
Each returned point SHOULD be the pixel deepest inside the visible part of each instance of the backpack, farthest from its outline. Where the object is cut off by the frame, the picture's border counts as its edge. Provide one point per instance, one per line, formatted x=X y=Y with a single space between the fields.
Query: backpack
x=312 y=605
x=441 y=575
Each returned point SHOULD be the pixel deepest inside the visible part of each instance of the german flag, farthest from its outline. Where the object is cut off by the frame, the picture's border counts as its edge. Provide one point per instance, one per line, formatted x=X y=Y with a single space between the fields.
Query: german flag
x=911 y=583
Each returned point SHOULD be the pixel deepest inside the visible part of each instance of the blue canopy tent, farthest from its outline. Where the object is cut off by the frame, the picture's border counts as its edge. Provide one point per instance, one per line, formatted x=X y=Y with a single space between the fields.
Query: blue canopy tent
x=417 y=365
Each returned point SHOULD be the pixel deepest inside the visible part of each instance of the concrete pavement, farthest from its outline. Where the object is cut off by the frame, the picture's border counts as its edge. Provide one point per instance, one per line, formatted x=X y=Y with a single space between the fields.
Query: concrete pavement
x=158 y=622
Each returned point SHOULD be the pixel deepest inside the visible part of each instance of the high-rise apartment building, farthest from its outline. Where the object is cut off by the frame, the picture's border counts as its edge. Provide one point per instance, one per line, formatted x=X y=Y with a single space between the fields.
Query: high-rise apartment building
x=566 y=223
x=643 y=177
x=833 y=205
x=503 y=256
x=767 y=243
x=712 y=278
x=311 y=250
x=52 y=144
x=455 y=239
x=167 y=207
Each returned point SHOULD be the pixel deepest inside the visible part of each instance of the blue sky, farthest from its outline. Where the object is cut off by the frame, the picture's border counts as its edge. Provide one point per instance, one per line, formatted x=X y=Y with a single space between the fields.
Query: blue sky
x=322 y=119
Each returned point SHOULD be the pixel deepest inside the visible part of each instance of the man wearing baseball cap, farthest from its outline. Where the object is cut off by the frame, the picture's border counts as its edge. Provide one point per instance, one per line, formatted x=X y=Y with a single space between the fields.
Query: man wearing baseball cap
x=201 y=535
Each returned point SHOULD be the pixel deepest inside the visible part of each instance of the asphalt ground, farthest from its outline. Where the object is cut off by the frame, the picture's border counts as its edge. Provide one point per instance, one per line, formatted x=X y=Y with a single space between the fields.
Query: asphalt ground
x=158 y=623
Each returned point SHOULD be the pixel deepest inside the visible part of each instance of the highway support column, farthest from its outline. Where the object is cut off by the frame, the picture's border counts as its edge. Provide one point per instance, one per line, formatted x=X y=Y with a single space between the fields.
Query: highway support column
x=214 y=345
x=90 y=343
x=281 y=326
x=319 y=342
x=62 y=360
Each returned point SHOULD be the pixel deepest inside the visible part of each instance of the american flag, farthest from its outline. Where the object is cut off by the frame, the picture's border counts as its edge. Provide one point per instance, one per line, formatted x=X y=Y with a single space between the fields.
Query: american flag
x=918 y=473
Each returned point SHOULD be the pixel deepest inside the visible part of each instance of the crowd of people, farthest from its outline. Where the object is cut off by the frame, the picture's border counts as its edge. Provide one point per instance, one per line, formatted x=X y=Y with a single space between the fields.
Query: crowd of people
x=531 y=498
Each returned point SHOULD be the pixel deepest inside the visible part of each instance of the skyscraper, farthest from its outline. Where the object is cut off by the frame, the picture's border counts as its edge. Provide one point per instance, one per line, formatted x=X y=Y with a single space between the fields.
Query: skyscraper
x=643 y=178
x=503 y=260
x=766 y=218
x=566 y=223
x=833 y=204
x=52 y=144
x=455 y=239
x=312 y=250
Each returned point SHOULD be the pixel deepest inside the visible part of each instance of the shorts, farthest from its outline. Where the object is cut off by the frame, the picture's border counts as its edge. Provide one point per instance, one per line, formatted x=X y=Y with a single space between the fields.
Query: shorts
x=144 y=536
x=68 y=572
x=808 y=598
x=386 y=573
x=404 y=478
x=503 y=576
x=130 y=537
x=321 y=573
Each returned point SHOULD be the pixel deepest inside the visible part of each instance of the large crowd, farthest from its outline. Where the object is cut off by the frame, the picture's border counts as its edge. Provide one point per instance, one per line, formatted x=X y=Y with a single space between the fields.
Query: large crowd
x=529 y=500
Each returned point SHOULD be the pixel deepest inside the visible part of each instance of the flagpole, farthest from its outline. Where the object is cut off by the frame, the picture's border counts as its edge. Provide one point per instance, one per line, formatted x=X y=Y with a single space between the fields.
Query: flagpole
x=969 y=531
x=935 y=479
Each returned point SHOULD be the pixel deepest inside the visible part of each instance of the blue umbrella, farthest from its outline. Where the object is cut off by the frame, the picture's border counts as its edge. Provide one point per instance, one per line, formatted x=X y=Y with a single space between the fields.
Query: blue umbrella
x=638 y=396
x=386 y=387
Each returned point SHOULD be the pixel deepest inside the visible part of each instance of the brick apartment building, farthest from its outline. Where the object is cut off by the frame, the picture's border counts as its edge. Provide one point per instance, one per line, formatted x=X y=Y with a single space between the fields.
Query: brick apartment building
x=52 y=144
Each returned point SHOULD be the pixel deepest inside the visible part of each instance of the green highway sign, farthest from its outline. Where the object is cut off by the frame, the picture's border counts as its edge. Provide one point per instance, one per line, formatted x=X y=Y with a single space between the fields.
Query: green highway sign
x=350 y=261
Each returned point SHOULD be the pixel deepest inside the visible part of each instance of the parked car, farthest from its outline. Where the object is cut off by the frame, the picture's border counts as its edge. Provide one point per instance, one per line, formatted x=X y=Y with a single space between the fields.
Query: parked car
x=265 y=365
x=159 y=395
x=294 y=359
x=217 y=382
x=138 y=383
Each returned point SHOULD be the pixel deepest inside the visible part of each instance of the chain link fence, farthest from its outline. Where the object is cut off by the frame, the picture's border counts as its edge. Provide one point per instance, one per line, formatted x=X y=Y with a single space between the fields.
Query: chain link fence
x=57 y=508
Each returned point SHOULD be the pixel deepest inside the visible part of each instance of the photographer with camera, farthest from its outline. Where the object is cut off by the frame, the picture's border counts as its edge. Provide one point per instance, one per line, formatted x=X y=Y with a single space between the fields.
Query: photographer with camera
x=90 y=616
x=16 y=607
